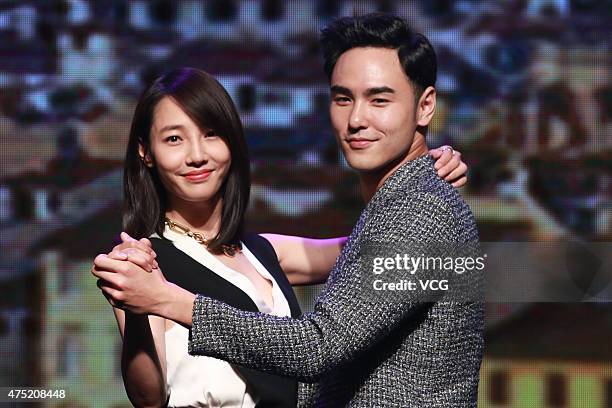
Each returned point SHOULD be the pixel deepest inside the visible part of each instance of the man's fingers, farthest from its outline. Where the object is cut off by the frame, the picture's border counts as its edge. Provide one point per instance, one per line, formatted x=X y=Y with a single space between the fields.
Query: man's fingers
x=114 y=279
x=105 y=263
x=113 y=302
x=108 y=283
x=109 y=290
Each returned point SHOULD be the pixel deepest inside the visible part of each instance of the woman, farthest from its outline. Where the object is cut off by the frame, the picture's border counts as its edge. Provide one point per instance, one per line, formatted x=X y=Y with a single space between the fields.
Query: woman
x=186 y=187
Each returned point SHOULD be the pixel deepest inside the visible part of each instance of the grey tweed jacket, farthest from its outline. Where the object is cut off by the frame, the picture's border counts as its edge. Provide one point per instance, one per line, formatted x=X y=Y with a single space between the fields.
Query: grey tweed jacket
x=360 y=351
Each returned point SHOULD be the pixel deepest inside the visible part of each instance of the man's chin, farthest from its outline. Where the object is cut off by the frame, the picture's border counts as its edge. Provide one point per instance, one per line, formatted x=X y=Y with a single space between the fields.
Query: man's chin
x=364 y=166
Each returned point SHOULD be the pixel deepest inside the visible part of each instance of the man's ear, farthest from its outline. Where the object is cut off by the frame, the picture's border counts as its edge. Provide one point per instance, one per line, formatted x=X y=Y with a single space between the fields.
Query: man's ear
x=426 y=107
x=144 y=155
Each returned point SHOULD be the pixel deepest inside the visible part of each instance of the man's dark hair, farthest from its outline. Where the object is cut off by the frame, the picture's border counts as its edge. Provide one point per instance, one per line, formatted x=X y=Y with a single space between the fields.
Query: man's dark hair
x=416 y=55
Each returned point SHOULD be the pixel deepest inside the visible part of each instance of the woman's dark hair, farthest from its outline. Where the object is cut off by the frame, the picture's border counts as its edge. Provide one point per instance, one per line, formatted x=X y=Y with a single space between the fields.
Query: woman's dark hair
x=416 y=55
x=207 y=103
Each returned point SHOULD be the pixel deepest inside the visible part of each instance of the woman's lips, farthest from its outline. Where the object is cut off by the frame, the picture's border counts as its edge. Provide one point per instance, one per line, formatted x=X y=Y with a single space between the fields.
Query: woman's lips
x=198 y=176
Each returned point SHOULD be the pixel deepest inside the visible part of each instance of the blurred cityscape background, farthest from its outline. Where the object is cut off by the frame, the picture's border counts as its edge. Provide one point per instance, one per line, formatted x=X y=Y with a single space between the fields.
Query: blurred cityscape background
x=525 y=93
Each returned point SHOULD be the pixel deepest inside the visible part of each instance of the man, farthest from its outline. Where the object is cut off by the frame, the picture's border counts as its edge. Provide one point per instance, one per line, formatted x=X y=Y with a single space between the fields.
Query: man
x=410 y=350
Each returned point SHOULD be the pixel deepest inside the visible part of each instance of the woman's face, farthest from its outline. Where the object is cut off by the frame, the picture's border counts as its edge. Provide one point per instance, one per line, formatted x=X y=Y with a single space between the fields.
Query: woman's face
x=192 y=163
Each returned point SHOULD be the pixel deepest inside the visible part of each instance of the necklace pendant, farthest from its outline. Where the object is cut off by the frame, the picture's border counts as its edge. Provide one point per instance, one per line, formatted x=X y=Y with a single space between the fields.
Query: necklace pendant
x=228 y=250
x=199 y=238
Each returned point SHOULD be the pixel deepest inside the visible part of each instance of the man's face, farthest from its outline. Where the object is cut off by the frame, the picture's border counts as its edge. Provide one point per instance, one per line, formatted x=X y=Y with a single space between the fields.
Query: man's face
x=372 y=108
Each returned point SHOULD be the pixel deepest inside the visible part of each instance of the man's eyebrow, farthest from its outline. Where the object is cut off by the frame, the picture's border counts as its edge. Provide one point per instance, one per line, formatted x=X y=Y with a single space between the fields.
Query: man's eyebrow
x=379 y=90
x=337 y=89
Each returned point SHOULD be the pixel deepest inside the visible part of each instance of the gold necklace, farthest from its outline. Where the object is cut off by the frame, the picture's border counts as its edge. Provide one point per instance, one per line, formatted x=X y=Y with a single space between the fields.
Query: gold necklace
x=228 y=249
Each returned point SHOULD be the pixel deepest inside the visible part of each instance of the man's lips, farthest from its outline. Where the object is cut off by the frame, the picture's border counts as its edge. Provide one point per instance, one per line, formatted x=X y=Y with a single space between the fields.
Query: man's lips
x=359 y=142
x=197 y=175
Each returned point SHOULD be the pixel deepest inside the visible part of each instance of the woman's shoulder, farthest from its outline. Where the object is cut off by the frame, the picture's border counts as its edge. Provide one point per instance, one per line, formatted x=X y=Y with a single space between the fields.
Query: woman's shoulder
x=254 y=238
x=260 y=246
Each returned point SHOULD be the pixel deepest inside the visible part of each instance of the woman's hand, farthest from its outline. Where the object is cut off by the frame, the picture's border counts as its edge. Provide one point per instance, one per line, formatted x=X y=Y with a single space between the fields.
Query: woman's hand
x=449 y=165
x=139 y=252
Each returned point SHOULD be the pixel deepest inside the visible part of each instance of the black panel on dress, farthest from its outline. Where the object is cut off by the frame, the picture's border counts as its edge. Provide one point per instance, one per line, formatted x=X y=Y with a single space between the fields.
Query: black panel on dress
x=273 y=391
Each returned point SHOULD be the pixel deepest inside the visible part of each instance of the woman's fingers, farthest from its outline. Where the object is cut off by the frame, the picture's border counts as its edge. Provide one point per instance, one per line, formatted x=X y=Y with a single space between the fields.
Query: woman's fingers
x=460 y=183
x=452 y=164
x=118 y=255
x=143 y=259
x=458 y=172
x=443 y=158
x=125 y=237
x=140 y=245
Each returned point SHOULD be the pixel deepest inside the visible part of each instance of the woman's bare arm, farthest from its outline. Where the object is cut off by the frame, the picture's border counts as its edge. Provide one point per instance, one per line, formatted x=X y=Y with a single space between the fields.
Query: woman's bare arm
x=305 y=261
x=143 y=356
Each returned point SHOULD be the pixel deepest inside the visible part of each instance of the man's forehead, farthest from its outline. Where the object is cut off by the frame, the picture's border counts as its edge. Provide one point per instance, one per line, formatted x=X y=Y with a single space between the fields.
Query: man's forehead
x=364 y=68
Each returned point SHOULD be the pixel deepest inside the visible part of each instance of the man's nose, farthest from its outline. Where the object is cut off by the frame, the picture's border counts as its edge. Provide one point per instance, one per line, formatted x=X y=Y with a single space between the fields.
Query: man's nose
x=358 y=118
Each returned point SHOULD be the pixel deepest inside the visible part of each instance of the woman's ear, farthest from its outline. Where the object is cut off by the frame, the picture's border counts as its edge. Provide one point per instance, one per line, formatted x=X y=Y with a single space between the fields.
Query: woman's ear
x=145 y=156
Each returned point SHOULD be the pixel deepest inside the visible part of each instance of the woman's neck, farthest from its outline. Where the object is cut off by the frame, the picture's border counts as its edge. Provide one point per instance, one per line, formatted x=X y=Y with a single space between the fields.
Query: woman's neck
x=204 y=217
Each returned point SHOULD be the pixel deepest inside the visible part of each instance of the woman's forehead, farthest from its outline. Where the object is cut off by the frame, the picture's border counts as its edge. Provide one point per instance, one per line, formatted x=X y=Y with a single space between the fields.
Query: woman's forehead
x=169 y=115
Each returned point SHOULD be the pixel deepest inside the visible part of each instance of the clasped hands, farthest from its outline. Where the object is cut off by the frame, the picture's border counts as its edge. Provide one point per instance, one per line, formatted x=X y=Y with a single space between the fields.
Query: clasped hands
x=130 y=278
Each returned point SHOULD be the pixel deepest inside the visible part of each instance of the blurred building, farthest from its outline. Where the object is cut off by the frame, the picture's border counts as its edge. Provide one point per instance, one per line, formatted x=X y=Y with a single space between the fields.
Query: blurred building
x=549 y=355
x=80 y=345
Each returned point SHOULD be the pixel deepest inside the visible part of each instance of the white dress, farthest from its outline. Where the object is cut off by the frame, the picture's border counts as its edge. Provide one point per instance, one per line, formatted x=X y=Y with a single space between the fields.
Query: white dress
x=199 y=381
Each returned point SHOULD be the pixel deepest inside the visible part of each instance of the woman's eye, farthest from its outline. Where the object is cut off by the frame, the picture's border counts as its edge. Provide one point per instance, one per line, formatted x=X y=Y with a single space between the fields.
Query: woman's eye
x=210 y=133
x=172 y=139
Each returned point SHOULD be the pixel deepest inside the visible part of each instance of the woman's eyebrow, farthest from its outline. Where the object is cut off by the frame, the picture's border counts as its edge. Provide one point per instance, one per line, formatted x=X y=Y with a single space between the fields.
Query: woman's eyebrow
x=170 y=127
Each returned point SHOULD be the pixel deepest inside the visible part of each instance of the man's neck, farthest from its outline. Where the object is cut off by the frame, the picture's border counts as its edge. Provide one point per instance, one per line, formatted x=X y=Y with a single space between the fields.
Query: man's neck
x=371 y=182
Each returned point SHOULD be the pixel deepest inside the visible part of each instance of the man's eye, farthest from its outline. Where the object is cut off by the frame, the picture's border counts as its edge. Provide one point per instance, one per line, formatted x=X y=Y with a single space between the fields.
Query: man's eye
x=341 y=99
x=380 y=101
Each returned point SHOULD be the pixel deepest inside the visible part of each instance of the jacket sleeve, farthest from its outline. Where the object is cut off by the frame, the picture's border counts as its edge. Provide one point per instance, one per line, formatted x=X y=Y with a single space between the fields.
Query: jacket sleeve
x=346 y=318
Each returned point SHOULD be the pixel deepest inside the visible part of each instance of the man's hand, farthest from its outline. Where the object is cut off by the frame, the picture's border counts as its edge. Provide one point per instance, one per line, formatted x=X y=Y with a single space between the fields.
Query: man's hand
x=130 y=279
x=449 y=165
x=122 y=276
x=130 y=287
